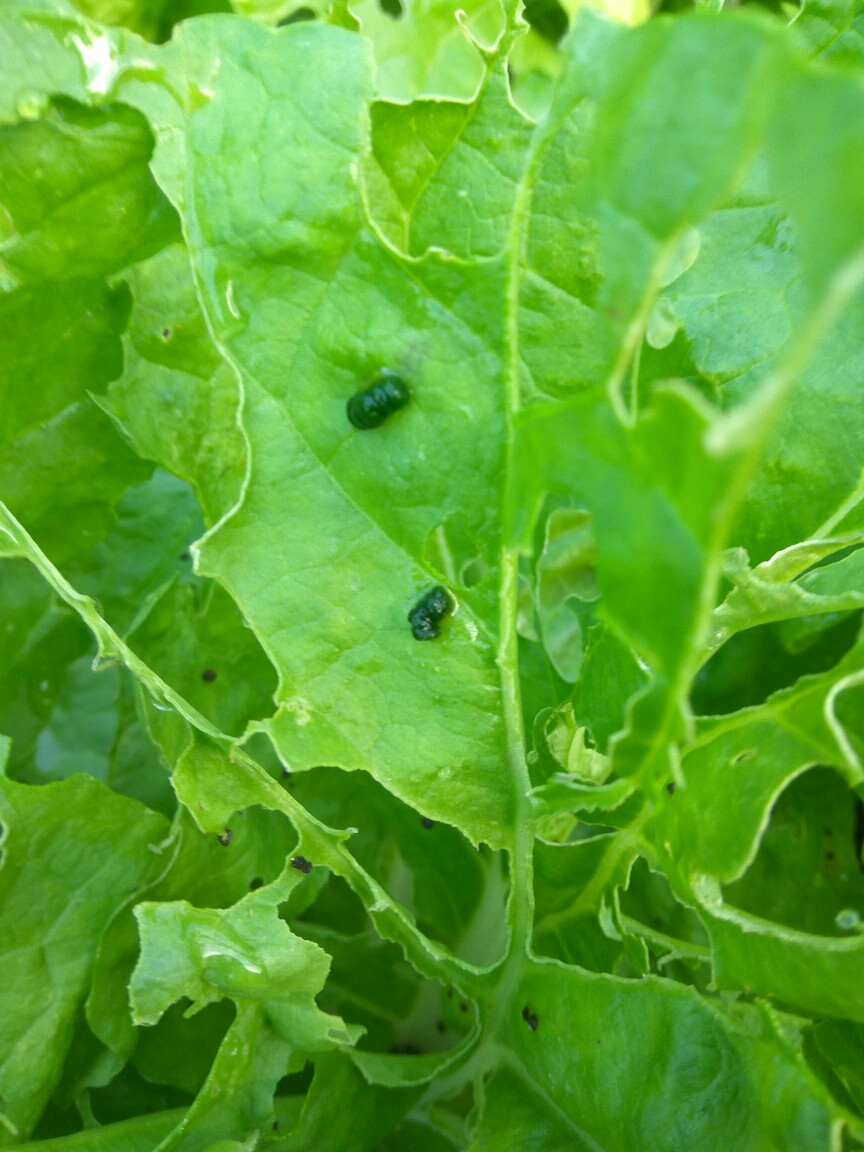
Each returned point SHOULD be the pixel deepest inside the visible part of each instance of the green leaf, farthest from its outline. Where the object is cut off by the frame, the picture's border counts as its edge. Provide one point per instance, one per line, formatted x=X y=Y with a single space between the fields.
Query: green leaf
x=429 y=47
x=738 y=765
x=566 y=589
x=168 y=353
x=739 y=301
x=150 y=18
x=833 y=31
x=839 y=1043
x=625 y=488
x=180 y=1050
x=610 y=677
x=138 y=1135
x=814 y=974
x=573 y=881
x=195 y=638
x=245 y=953
x=812 y=830
x=422 y=151
x=81 y=205
x=73 y=852
x=336 y=474
x=364 y=1113
x=776 y=590
x=236 y=1101
x=659 y=533
x=40 y=61
x=200 y=870
x=685 y=1073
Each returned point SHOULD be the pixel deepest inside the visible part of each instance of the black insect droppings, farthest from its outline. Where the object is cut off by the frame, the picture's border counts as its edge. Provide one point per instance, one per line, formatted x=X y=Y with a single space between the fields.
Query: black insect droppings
x=275 y=1125
x=185 y=556
x=670 y=787
x=441 y=1026
x=166 y=333
x=426 y=822
x=830 y=857
x=530 y=1018
x=208 y=675
x=426 y=615
x=255 y=883
x=371 y=406
x=225 y=837
x=463 y=1007
x=301 y=864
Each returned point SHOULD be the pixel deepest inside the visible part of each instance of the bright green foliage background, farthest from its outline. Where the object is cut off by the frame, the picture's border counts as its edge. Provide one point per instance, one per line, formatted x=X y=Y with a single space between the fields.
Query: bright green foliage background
x=583 y=873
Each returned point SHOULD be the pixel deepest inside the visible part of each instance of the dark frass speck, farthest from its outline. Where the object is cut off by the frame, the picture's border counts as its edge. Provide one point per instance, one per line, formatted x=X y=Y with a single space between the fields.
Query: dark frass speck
x=301 y=864
x=225 y=837
x=371 y=406
x=426 y=615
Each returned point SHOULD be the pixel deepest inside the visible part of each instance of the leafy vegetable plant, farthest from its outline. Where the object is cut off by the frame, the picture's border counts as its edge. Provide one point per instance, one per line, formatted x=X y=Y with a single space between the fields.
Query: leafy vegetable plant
x=432 y=576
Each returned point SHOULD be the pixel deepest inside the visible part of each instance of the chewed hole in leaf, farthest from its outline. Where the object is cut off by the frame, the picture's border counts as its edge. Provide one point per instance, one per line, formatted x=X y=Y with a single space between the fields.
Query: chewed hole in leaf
x=422 y=1016
x=455 y=891
x=754 y=664
x=807 y=869
x=474 y=572
x=649 y=906
x=565 y=588
x=198 y=1035
x=298 y=16
x=547 y=18
x=455 y=553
